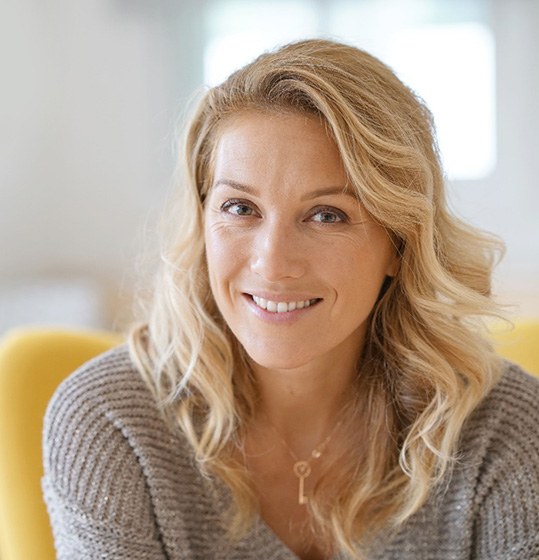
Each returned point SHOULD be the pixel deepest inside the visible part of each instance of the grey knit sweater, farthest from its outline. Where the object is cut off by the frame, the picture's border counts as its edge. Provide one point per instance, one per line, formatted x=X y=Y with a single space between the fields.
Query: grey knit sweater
x=120 y=485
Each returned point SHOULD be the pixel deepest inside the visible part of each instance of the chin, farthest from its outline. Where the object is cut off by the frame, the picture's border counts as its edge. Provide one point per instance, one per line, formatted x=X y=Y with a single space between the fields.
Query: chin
x=278 y=360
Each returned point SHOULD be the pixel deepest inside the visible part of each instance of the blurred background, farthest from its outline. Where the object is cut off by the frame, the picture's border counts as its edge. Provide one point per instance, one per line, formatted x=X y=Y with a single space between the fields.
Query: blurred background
x=91 y=92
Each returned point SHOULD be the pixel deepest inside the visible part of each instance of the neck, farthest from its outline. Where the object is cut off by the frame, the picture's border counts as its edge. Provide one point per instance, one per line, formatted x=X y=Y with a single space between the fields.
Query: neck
x=304 y=404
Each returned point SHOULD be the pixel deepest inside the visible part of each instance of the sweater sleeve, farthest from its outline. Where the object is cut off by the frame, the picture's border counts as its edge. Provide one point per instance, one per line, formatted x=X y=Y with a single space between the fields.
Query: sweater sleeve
x=508 y=523
x=94 y=486
x=507 y=520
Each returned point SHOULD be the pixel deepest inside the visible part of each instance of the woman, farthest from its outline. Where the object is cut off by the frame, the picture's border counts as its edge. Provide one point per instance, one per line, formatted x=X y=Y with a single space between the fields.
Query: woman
x=312 y=380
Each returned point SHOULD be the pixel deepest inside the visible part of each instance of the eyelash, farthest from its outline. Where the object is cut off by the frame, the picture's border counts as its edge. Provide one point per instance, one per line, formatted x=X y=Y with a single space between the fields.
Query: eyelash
x=226 y=206
x=341 y=216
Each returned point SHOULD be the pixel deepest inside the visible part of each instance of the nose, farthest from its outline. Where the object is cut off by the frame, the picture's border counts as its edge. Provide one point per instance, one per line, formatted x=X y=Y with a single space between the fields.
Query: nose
x=278 y=252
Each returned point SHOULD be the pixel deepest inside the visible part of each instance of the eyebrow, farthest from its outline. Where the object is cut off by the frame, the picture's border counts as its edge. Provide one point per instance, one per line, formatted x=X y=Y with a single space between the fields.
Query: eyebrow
x=325 y=191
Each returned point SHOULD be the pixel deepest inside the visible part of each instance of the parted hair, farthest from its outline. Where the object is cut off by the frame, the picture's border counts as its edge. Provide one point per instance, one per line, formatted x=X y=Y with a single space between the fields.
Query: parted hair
x=426 y=362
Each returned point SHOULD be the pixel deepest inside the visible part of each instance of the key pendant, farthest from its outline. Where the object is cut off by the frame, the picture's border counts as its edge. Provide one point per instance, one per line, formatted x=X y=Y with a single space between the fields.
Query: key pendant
x=302 y=470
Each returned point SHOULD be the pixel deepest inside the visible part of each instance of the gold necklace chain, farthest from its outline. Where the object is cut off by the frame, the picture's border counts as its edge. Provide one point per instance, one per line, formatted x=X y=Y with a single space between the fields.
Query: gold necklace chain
x=302 y=467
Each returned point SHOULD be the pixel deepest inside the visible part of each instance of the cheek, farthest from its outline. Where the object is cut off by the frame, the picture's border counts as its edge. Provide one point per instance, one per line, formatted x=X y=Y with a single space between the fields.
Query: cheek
x=213 y=248
x=224 y=258
x=215 y=258
x=359 y=270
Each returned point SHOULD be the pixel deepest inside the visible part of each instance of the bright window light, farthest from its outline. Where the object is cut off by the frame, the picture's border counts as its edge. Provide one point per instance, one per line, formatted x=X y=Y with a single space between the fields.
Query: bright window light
x=241 y=30
x=452 y=67
x=449 y=62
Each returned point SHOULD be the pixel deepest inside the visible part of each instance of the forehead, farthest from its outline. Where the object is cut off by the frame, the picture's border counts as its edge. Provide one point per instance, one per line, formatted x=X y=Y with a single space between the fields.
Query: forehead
x=282 y=138
x=285 y=154
x=263 y=122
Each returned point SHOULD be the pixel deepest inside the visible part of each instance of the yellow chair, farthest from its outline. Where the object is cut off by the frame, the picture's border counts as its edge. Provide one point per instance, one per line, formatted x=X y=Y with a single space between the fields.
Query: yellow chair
x=32 y=363
x=520 y=344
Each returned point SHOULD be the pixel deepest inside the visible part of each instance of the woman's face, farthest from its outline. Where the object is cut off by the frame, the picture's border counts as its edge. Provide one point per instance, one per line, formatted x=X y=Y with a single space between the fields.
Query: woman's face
x=295 y=263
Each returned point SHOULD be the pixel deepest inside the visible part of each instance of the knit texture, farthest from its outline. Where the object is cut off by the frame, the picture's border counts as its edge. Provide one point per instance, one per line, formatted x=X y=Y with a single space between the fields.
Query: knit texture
x=119 y=484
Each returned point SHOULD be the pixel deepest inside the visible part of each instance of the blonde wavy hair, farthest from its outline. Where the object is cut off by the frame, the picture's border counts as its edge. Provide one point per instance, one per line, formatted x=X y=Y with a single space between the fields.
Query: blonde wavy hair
x=426 y=363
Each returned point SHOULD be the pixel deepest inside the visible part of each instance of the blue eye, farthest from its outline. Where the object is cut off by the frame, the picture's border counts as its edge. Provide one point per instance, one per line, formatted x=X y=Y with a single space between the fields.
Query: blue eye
x=237 y=208
x=328 y=216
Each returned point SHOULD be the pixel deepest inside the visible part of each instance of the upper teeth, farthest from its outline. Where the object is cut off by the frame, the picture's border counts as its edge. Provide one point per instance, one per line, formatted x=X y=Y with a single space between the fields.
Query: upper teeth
x=281 y=306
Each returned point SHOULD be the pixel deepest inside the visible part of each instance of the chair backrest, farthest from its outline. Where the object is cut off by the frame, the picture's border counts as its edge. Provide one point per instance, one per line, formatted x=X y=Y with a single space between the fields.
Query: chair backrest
x=33 y=362
x=520 y=344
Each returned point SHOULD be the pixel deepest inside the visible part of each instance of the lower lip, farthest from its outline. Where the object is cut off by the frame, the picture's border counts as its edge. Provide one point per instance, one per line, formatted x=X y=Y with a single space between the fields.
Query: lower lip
x=277 y=318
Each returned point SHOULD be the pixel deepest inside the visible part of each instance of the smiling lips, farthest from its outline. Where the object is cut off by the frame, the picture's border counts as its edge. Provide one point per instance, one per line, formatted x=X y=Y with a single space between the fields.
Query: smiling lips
x=282 y=306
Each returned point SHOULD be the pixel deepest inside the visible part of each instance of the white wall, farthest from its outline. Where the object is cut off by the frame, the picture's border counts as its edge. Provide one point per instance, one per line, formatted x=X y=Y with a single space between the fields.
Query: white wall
x=513 y=191
x=507 y=203
x=88 y=99
x=89 y=93
x=86 y=109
